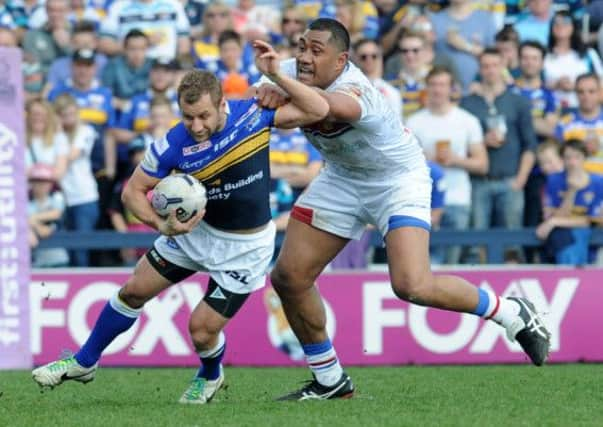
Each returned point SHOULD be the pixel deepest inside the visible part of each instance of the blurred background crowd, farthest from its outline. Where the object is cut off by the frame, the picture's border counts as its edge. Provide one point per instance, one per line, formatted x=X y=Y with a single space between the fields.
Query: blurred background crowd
x=504 y=96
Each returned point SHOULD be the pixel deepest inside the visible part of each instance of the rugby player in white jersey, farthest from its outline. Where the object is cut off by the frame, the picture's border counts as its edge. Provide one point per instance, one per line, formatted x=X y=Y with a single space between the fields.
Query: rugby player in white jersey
x=375 y=173
x=220 y=142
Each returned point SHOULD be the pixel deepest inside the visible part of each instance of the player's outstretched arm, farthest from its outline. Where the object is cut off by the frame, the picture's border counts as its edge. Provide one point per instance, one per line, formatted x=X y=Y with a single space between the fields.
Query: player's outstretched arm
x=344 y=104
x=306 y=106
x=269 y=95
x=134 y=198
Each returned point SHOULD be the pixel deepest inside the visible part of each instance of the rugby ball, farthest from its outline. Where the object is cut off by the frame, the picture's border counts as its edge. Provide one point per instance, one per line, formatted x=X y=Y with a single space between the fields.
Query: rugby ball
x=180 y=192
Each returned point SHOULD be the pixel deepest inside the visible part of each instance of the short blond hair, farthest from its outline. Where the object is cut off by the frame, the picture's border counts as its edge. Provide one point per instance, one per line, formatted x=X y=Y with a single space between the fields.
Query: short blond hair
x=197 y=83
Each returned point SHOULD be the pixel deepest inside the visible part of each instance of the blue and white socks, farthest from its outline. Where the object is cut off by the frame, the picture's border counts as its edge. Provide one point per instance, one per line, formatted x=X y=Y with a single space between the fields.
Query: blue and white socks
x=211 y=359
x=501 y=310
x=116 y=317
x=323 y=362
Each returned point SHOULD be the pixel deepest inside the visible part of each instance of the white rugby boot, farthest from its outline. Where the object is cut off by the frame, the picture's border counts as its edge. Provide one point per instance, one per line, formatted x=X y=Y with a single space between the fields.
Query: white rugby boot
x=201 y=390
x=55 y=373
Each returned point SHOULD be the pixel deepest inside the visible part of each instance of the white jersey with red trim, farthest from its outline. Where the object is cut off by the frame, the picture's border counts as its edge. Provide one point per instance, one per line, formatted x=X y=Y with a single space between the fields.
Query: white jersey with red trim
x=377 y=144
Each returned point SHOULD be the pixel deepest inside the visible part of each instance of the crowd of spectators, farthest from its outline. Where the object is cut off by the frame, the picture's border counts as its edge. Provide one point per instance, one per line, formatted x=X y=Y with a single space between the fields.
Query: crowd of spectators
x=495 y=91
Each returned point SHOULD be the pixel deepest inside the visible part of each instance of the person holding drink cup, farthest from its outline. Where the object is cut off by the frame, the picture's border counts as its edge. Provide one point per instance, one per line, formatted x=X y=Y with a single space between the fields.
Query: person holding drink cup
x=510 y=140
x=453 y=138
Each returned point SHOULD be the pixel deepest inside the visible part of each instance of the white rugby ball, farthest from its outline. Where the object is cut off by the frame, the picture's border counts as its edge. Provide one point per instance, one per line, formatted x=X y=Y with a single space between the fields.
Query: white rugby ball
x=180 y=192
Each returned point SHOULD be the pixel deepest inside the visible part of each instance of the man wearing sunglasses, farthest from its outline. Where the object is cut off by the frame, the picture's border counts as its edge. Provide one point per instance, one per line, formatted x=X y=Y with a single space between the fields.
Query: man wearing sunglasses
x=409 y=78
x=368 y=57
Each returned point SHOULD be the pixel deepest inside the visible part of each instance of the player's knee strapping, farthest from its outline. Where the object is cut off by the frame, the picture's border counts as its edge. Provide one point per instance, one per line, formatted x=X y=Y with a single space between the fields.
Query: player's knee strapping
x=223 y=301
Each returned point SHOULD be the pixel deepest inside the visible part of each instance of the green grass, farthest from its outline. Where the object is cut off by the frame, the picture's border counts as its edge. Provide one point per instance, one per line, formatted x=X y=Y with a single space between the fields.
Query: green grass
x=558 y=395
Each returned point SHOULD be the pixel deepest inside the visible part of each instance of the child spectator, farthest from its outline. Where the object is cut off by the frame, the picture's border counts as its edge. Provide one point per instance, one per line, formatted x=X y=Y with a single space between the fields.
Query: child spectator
x=121 y=218
x=234 y=74
x=44 y=211
x=78 y=183
x=572 y=203
x=161 y=120
x=549 y=160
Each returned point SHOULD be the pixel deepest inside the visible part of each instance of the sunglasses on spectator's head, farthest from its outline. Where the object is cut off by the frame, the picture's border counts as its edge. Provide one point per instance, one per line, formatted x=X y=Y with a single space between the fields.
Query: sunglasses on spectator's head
x=413 y=50
x=365 y=56
x=290 y=20
x=214 y=14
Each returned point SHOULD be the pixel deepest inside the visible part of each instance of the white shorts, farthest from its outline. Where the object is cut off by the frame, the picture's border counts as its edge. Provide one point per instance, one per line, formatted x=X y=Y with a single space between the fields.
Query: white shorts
x=344 y=206
x=237 y=262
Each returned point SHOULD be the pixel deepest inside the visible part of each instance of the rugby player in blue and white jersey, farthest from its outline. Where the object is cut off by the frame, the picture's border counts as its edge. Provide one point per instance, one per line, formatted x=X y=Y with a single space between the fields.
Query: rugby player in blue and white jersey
x=225 y=145
x=375 y=172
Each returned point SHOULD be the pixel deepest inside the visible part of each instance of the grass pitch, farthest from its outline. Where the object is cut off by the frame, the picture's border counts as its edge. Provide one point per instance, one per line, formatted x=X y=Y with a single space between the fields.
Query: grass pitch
x=557 y=395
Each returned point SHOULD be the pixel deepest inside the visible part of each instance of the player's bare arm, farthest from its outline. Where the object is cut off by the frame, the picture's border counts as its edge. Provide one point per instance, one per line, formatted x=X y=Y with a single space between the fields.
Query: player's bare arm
x=268 y=95
x=134 y=197
x=344 y=105
x=305 y=107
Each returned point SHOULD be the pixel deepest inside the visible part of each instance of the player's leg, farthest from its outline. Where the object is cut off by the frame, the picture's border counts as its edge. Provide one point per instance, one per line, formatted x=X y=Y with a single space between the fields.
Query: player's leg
x=152 y=274
x=206 y=327
x=305 y=253
x=237 y=264
x=402 y=211
x=325 y=217
x=412 y=281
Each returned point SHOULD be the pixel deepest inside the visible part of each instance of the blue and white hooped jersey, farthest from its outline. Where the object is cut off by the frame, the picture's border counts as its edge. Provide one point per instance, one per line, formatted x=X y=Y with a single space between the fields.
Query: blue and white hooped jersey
x=588 y=201
x=233 y=165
